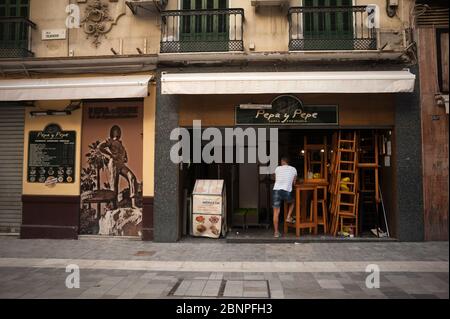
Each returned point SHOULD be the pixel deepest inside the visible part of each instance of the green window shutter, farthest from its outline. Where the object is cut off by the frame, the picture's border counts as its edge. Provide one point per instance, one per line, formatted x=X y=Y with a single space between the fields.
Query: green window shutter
x=201 y=28
x=328 y=30
x=14 y=34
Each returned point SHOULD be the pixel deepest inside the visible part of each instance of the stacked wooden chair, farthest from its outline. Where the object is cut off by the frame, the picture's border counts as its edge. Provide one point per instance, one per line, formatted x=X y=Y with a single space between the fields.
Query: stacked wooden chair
x=316 y=163
x=368 y=167
x=344 y=183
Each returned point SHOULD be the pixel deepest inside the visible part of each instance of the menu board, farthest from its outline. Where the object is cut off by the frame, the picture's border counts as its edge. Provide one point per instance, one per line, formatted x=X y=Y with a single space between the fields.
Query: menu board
x=207 y=225
x=208 y=187
x=207 y=204
x=51 y=155
x=208 y=208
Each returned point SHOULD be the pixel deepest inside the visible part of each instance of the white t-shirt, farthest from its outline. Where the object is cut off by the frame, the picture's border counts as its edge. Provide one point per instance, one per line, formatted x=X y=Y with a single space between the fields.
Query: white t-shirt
x=284 y=177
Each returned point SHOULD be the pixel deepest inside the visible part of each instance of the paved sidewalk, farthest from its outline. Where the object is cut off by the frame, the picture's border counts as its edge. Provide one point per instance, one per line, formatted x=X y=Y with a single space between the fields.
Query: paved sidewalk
x=197 y=268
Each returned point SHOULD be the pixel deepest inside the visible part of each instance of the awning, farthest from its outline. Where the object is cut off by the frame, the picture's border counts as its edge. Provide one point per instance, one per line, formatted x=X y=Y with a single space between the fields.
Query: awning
x=288 y=82
x=100 y=87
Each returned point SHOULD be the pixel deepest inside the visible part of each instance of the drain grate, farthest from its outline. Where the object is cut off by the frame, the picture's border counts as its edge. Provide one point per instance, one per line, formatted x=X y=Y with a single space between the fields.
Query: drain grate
x=207 y=288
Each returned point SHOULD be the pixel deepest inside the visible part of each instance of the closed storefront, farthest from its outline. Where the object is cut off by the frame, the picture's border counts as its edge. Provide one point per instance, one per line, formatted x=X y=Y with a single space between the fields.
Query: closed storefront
x=72 y=159
x=11 y=153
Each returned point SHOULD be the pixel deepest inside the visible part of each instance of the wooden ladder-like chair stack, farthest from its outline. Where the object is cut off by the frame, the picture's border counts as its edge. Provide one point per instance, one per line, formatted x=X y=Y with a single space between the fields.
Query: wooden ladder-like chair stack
x=343 y=187
x=318 y=164
x=368 y=164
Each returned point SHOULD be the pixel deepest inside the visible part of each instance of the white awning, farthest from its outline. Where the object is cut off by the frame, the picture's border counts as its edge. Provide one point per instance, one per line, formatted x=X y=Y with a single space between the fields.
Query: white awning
x=288 y=82
x=99 y=87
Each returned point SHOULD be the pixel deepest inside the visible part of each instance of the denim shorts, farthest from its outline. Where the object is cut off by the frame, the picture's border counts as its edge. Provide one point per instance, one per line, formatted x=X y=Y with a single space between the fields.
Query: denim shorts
x=280 y=195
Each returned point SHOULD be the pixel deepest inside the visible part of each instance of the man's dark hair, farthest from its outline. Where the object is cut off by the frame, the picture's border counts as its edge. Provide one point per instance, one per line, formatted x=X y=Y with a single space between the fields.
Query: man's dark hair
x=285 y=159
x=115 y=131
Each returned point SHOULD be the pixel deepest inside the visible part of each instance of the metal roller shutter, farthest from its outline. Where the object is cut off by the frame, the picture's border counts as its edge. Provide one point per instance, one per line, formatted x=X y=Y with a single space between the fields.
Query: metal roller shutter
x=432 y=13
x=11 y=154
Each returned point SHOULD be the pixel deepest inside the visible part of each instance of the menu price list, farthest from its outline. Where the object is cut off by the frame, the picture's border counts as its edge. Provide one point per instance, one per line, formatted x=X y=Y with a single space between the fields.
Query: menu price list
x=51 y=158
x=42 y=173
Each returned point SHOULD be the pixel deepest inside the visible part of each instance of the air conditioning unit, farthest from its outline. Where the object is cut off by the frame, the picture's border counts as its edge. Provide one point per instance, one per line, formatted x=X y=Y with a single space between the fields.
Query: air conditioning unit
x=269 y=3
x=142 y=6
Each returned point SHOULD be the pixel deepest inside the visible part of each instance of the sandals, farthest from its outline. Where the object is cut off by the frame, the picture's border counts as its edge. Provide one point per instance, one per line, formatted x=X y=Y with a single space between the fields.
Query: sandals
x=290 y=220
x=277 y=235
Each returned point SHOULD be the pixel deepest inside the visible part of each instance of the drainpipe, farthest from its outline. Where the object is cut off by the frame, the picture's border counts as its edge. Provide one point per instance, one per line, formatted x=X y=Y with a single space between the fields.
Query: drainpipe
x=68 y=34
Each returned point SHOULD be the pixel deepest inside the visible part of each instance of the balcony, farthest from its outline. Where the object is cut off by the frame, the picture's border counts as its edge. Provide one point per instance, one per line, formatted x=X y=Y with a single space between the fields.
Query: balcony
x=208 y=30
x=15 y=37
x=331 y=28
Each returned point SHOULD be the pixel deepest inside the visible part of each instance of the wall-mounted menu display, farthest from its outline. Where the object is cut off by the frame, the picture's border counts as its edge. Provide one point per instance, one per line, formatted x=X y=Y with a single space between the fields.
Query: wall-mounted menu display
x=51 y=155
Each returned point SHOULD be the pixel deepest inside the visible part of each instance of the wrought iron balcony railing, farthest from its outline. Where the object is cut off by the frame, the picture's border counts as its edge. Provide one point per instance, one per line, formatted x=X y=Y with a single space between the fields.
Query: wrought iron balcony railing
x=332 y=28
x=15 y=37
x=208 y=30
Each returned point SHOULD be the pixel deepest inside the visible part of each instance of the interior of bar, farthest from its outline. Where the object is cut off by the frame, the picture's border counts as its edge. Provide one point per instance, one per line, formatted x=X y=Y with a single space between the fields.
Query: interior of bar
x=343 y=190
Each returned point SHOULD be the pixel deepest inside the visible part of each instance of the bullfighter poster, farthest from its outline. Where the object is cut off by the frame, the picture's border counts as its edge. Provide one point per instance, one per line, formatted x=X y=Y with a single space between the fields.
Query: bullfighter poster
x=111 y=169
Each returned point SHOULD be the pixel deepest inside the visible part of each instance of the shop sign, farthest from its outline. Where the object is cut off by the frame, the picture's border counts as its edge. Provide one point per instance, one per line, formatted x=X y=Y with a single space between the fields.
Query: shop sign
x=51 y=156
x=120 y=112
x=288 y=110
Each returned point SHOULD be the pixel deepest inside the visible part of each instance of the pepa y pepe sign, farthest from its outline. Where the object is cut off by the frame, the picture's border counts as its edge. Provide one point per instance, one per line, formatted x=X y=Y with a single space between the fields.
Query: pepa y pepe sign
x=51 y=156
x=288 y=110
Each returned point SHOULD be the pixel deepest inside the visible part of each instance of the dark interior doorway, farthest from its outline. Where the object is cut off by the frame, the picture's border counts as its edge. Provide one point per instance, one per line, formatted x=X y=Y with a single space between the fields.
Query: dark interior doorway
x=250 y=194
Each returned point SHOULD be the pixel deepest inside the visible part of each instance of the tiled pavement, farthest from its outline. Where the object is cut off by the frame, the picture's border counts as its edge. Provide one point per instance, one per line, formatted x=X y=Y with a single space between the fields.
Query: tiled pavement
x=111 y=268
x=200 y=249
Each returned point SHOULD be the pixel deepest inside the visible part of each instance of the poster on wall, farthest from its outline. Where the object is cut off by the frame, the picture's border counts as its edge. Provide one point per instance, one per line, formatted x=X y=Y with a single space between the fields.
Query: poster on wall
x=111 y=172
x=51 y=155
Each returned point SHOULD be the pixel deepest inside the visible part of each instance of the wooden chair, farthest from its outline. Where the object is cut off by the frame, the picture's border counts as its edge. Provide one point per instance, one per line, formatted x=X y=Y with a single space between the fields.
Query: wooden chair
x=315 y=161
x=352 y=216
x=344 y=203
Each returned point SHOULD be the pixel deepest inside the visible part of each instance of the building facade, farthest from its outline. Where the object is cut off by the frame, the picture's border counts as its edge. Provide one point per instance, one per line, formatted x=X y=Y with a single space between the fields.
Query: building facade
x=114 y=78
x=432 y=54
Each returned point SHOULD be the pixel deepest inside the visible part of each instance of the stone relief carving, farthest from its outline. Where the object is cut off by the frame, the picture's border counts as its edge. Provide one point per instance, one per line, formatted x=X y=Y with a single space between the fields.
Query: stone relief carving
x=97 y=21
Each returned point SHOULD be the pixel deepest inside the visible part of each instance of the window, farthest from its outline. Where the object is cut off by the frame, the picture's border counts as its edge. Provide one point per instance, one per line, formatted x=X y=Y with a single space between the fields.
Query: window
x=13 y=33
x=204 y=26
x=330 y=24
x=14 y=8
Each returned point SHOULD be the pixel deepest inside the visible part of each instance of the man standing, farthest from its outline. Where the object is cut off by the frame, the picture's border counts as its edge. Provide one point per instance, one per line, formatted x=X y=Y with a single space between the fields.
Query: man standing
x=285 y=178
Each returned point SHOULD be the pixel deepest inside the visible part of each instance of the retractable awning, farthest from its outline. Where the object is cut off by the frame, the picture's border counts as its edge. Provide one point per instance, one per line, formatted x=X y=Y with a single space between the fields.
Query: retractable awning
x=288 y=82
x=100 y=87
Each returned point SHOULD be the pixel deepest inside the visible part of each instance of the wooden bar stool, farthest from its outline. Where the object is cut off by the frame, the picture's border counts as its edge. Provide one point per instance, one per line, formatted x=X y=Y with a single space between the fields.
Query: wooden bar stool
x=322 y=220
x=301 y=223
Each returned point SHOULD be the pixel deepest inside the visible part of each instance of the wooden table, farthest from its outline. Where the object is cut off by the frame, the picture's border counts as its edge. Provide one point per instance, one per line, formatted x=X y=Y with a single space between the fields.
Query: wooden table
x=300 y=199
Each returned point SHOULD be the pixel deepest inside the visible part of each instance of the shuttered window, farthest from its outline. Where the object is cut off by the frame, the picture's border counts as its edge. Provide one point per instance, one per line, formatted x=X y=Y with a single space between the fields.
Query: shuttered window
x=11 y=155
x=431 y=13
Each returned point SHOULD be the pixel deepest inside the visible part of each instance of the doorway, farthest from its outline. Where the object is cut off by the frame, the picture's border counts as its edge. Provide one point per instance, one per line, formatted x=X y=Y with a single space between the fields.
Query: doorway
x=249 y=194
